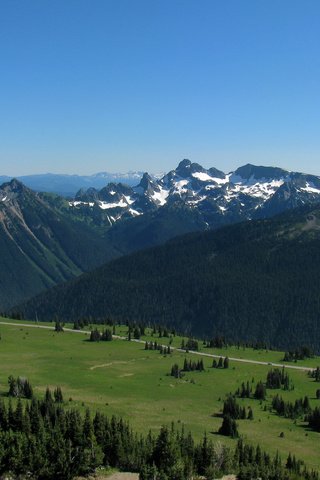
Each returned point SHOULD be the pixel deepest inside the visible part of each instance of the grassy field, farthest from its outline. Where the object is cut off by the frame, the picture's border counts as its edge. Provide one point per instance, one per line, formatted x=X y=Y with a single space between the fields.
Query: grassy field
x=121 y=378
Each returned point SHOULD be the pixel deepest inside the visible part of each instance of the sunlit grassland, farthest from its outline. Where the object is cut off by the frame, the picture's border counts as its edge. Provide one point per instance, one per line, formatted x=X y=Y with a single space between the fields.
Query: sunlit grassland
x=122 y=378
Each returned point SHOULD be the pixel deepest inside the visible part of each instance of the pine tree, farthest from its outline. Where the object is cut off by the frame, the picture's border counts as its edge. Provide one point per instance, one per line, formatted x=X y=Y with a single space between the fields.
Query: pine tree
x=229 y=427
x=95 y=335
x=260 y=392
x=58 y=397
x=58 y=327
x=137 y=333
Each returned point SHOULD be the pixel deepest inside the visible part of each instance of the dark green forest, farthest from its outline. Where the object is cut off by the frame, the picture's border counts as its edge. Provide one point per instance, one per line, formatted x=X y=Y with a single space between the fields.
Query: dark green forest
x=254 y=281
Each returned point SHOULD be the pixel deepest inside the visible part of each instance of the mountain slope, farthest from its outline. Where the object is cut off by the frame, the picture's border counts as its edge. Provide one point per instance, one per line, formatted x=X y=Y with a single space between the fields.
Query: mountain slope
x=256 y=281
x=40 y=245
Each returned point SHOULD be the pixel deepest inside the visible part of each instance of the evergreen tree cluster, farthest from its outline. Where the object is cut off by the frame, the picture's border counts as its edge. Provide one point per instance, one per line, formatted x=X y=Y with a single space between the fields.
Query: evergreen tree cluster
x=278 y=379
x=191 y=366
x=190 y=344
x=188 y=366
x=232 y=409
x=245 y=391
x=260 y=391
x=44 y=440
x=294 y=465
x=314 y=419
x=136 y=331
x=253 y=463
x=104 y=336
x=222 y=363
x=176 y=371
x=19 y=387
x=300 y=353
x=164 y=350
x=291 y=410
x=275 y=379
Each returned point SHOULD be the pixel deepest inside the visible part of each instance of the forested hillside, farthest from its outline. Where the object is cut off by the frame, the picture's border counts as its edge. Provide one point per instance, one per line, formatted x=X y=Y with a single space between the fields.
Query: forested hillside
x=41 y=244
x=255 y=281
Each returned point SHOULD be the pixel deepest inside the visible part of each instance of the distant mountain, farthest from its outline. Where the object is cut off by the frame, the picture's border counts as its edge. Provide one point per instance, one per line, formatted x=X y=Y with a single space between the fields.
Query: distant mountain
x=250 y=192
x=68 y=185
x=256 y=281
x=41 y=244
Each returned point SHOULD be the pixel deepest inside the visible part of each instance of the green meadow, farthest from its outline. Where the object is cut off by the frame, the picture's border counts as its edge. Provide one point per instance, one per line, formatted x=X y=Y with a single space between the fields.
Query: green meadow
x=122 y=378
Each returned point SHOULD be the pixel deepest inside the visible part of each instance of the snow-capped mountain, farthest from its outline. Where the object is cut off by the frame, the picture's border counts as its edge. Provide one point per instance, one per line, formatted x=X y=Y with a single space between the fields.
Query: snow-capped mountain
x=248 y=192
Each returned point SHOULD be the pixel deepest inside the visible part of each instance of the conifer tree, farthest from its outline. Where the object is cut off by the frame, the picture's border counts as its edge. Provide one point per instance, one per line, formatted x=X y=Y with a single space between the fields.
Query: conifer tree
x=260 y=392
x=229 y=427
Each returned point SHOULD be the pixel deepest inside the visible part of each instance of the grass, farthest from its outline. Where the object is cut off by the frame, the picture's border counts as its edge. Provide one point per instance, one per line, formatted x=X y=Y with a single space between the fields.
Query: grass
x=121 y=378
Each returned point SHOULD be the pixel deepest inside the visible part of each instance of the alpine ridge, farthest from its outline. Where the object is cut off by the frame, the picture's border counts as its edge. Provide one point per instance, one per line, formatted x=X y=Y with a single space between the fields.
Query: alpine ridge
x=250 y=192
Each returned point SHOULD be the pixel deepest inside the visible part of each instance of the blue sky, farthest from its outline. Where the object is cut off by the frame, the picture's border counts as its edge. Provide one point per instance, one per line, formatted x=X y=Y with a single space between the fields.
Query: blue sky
x=95 y=85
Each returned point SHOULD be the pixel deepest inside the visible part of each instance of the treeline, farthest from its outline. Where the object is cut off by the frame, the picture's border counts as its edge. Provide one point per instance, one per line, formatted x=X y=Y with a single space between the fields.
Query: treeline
x=44 y=440
x=219 y=341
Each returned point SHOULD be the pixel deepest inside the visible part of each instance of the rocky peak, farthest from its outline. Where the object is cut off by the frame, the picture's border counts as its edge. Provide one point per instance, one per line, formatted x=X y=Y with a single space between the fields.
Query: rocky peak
x=259 y=172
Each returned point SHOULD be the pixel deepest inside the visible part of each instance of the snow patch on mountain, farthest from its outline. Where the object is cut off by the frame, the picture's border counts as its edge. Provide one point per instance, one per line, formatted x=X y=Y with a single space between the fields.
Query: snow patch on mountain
x=310 y=188
x=160 y=196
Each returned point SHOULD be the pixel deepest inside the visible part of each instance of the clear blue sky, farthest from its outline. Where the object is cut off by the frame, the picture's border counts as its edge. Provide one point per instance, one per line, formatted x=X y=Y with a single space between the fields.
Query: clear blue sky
x=93 y=85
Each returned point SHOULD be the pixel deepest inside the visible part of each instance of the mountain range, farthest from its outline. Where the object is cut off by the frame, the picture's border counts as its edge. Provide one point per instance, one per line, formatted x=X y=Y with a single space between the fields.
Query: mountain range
x=250 y=192
x=68 y=185
x=46 y=239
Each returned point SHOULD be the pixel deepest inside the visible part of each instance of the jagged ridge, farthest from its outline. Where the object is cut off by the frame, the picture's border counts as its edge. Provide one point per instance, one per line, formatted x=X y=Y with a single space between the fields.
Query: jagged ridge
x=249 y=192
